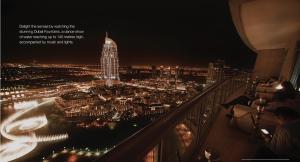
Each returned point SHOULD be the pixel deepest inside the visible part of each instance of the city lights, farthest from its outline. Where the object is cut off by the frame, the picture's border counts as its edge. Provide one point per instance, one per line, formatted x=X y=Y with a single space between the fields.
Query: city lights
x=106 y=106
x=185 y=134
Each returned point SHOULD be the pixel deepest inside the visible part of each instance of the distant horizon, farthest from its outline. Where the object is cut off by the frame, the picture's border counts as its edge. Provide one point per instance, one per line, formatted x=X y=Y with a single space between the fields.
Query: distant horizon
x=201 y=65
x=165 y=65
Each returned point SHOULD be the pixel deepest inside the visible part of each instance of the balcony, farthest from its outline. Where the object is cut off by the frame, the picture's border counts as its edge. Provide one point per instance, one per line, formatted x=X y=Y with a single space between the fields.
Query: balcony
x=181 y=134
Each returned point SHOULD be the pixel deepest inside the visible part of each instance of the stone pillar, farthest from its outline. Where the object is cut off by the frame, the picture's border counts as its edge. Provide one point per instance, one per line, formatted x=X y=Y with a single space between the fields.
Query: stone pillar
x=269 y=63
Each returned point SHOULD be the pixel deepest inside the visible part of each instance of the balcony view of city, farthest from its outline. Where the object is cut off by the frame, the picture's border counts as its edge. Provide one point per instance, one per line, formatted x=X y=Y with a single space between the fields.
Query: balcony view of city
x=207 y=82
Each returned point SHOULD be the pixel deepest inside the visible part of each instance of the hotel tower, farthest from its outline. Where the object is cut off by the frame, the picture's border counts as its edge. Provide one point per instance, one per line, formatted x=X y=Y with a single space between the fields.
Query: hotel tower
x=110 y=62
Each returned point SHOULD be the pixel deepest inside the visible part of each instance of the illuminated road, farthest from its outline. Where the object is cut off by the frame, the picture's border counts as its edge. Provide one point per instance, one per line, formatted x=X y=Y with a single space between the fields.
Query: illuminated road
x=143 y=86
x=22 y=135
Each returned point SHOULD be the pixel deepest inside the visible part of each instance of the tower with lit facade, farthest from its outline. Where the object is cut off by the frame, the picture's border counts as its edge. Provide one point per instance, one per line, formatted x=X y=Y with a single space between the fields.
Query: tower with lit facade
x=215 y=71
x=109 y=62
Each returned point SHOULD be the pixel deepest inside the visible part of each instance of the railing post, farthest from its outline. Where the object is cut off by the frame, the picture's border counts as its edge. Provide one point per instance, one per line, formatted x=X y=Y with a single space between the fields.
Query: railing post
x=223 y=93
x=200 y=118
x=228 y=87
x=214 y=103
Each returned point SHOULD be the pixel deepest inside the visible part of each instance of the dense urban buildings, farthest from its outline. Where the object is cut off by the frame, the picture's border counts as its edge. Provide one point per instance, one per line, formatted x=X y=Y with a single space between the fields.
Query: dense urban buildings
x=74 y=98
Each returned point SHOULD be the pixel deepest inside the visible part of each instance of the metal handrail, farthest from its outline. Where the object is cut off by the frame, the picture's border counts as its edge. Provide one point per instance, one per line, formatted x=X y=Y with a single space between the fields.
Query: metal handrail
x=135 y=147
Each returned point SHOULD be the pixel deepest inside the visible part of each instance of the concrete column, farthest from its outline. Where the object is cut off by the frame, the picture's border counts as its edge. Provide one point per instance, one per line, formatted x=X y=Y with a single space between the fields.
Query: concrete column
x=290 y=59
x=269 y=63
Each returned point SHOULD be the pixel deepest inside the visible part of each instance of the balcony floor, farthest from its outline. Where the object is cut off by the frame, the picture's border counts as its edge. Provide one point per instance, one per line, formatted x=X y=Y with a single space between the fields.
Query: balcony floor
x=231 y=143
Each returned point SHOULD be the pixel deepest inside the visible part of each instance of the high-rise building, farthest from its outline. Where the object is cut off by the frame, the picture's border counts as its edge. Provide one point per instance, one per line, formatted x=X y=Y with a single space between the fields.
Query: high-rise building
x=154 y=71
x=109 y=62
x=215 y=71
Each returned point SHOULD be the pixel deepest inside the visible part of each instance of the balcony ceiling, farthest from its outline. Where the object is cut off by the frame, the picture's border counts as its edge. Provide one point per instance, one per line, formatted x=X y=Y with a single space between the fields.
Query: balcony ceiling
x=266 y=24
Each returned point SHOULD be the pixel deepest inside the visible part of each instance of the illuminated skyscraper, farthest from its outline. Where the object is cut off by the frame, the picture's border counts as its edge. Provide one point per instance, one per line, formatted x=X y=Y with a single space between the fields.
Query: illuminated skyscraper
x=215 y=71
x=110 y=62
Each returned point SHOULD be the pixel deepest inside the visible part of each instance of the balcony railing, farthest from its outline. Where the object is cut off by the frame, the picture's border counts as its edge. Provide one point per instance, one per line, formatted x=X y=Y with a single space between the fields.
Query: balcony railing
x=175 y=136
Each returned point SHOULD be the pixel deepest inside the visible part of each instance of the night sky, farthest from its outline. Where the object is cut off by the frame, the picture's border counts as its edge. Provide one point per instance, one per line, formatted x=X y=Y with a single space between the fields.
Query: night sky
x=152 y=34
